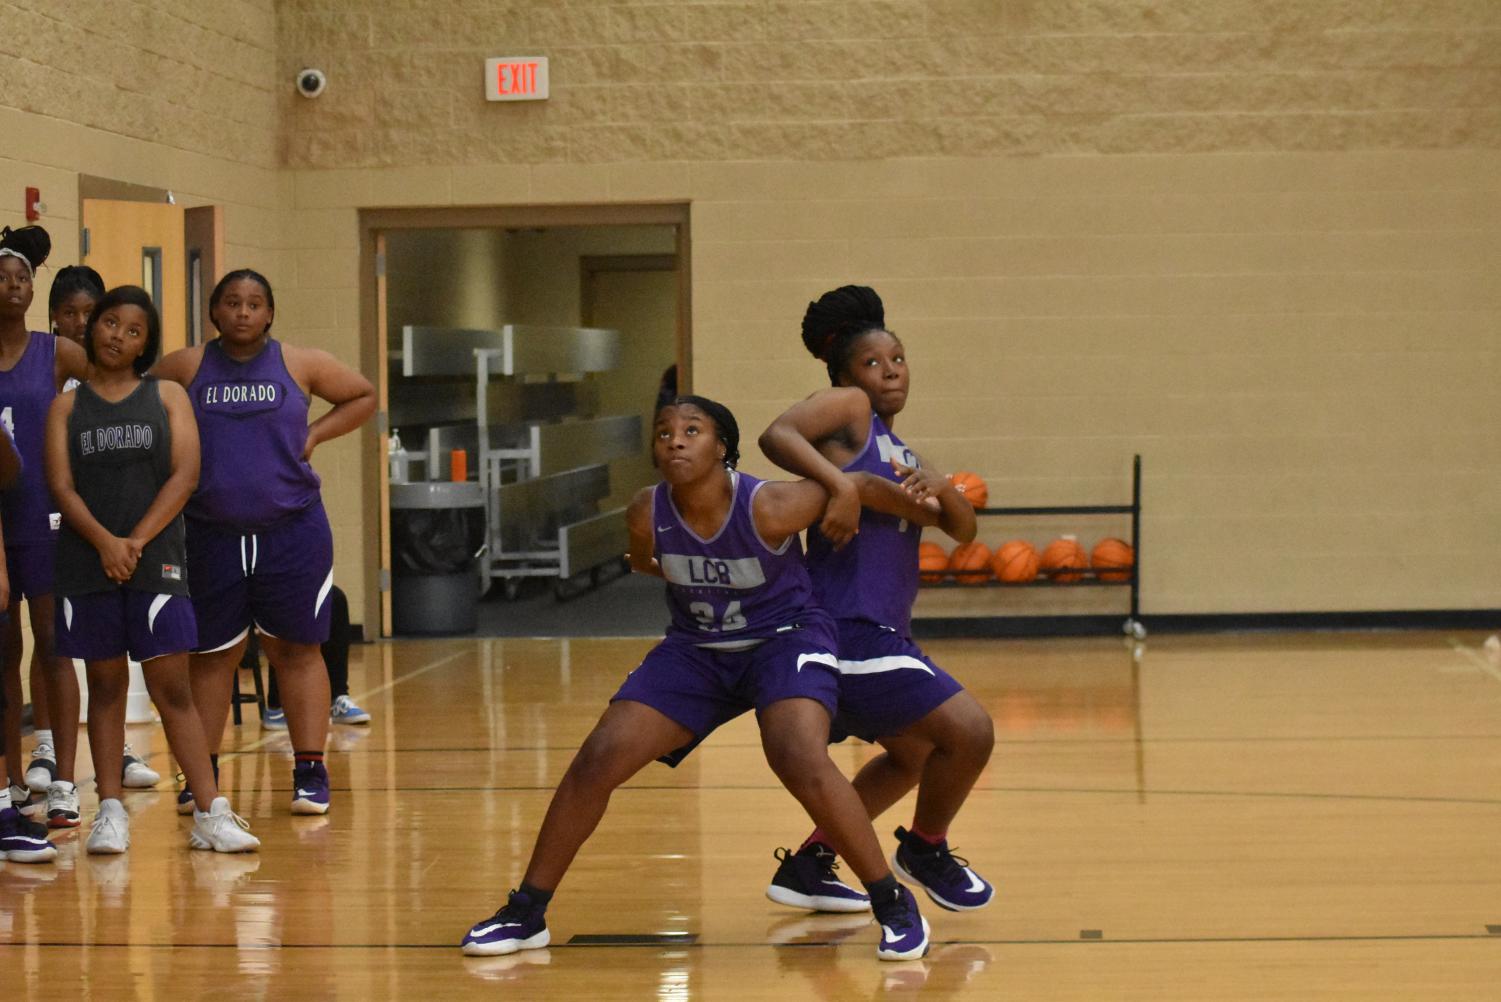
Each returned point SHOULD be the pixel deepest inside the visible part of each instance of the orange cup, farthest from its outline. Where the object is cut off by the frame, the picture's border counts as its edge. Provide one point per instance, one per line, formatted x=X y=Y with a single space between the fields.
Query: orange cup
x=458 y=464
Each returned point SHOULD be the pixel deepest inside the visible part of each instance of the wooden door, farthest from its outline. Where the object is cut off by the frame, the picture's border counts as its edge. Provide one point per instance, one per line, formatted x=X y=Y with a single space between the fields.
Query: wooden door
x=142 y=243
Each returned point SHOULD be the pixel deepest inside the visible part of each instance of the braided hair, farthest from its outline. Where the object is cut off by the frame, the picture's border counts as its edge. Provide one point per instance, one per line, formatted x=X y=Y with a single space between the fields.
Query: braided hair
x=833 y=323
x=235 y=276
x=725 y=427
x=31 y=242
x=71 y=280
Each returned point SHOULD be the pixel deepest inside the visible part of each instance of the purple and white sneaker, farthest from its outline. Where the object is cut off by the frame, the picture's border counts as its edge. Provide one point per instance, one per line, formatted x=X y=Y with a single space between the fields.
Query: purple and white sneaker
x=806 y=879
x=520 y=925
x=904 y=932
x=24 y=841
x=310 y=788
x=947 y=878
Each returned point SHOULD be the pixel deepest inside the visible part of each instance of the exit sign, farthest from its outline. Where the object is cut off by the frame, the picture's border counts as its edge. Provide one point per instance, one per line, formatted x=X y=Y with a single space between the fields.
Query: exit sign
x=516 y=78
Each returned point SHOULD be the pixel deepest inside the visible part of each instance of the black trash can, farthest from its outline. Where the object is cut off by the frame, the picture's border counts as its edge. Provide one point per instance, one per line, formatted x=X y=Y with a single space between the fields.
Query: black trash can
x=436 y=530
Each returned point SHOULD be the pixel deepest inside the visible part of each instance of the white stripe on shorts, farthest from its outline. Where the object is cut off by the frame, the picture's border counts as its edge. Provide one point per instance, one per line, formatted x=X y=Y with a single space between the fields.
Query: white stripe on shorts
x=156 y=607
x=874 y=666
x=224 y=647
x=328 y=584
x=68 y=613
x=821 y=658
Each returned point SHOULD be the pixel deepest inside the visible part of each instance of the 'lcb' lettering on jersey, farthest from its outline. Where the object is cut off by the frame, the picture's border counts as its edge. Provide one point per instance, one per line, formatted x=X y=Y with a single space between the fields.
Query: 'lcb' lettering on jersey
x=738 y=573
x=890 y=450
x=248 y=397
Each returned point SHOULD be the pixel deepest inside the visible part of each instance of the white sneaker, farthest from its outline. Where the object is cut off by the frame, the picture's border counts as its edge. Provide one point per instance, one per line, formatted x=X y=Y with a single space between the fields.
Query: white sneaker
x=43 y=768
x=62 y=805
x=138 y=775
x=29 y=804
x=221 y=830
x=110 y=833
x=344 y=711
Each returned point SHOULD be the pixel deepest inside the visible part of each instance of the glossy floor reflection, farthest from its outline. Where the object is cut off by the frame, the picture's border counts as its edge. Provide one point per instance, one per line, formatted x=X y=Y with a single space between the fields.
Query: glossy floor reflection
x=1256 y=817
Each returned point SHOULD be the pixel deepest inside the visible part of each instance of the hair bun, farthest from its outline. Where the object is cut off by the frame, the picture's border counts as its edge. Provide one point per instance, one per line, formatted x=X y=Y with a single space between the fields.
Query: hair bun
x=30 y=241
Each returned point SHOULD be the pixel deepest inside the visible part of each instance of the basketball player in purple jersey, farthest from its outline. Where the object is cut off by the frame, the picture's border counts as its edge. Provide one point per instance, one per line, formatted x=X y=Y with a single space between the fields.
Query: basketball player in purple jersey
x=744 y=634
x=122 y=458
x=21 y=839
x=260 y=551
x=33 y=366
x=863 y=564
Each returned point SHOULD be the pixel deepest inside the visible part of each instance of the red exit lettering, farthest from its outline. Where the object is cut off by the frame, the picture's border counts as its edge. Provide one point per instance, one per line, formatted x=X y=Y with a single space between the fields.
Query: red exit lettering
x=516 y=78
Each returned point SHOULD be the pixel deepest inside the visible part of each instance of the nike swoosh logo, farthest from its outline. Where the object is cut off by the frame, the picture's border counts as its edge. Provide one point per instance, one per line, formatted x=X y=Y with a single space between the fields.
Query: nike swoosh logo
x=836 y=883
x=307 y=793
x=975 y=883
x=887 y=936
x=663 y=528
x=487 y=930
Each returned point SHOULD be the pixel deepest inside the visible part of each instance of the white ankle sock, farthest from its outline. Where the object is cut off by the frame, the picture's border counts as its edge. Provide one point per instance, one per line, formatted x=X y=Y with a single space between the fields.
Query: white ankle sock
x=44 y=737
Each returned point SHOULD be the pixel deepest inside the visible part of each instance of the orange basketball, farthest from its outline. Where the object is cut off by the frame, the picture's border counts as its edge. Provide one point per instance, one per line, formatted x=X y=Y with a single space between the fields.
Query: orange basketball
x=972 y=562
x=1062 y=555
x=972 y=486
x=1015 y=561
x=930 y=558
x=1112 y=553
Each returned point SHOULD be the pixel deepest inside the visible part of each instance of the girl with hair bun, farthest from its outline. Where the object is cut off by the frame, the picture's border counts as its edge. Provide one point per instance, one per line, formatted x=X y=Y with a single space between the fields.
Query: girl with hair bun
x=33 y=368
x=863 y=564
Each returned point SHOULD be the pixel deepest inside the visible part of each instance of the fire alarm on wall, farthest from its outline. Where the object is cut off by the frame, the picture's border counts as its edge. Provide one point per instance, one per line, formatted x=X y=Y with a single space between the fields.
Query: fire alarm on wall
x=34 y=206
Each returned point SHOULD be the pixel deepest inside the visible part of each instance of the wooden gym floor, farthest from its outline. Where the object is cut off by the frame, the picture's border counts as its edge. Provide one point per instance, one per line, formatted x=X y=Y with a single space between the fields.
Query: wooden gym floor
x=1245 y=817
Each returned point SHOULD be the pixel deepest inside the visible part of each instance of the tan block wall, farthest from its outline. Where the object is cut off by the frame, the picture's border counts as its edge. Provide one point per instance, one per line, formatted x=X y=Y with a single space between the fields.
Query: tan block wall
x=866 y=79
x=1301 y=346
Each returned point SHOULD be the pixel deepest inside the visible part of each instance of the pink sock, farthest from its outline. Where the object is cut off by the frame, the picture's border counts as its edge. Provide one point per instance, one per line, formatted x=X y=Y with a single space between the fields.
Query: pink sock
x=933 y=840
x=817 y=837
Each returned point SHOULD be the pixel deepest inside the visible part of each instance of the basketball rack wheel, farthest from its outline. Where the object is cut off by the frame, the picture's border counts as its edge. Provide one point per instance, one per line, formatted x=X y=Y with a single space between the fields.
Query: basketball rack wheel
x=1134 y=628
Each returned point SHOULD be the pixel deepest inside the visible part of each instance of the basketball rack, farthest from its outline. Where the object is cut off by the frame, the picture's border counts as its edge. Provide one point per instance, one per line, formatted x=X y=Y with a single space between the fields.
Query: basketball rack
x=1082 y=577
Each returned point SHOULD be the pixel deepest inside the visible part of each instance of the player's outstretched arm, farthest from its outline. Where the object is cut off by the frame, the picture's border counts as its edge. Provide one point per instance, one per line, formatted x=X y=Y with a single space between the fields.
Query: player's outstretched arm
x=785 y=508
x=639 y=528
x=956 y=515
x=797 y=442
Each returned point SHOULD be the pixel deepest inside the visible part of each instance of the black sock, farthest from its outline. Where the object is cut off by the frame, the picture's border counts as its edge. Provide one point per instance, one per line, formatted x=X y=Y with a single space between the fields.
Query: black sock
x=538 y=897
x=883 y=889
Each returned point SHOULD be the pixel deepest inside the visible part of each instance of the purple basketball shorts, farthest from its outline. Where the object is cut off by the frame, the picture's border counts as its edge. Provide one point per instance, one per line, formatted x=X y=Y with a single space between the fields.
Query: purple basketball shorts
x=277 y=580
x=702 y=688
x=30 y=566
x=111 y=624
x=886 y=682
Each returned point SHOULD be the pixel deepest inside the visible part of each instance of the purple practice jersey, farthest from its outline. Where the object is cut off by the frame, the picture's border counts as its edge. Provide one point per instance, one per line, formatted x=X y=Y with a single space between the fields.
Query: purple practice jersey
x=875 y=576
x=732 y=587
x=252 y=428
x=26 y=392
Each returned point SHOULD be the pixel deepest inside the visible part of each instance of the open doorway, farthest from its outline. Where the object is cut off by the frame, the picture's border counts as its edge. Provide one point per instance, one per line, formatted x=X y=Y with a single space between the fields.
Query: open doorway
x=584 y=308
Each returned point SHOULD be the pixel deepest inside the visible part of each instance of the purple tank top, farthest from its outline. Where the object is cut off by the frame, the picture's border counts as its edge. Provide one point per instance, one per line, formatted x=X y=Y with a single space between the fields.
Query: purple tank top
x=731 y=587
x=875 y=576
x=26 y=392
x=252 y=429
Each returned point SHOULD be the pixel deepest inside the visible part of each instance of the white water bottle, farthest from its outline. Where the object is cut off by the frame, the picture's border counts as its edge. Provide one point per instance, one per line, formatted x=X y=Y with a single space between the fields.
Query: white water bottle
x=398 y=456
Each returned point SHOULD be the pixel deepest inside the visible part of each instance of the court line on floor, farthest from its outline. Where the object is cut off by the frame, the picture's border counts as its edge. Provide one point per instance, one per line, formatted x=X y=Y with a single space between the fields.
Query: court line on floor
x=1478 y=659
x=702 y=945
x=276 y=735
x=1082 y=791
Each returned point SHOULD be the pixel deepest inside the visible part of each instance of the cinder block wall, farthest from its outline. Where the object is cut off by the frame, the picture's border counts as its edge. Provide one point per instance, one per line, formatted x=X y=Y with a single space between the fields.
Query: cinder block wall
x=1255 y=242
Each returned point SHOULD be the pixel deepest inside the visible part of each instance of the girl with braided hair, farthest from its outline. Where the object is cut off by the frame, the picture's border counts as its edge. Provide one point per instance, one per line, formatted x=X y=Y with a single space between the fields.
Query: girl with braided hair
x=33 y=368
x=863 y=565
